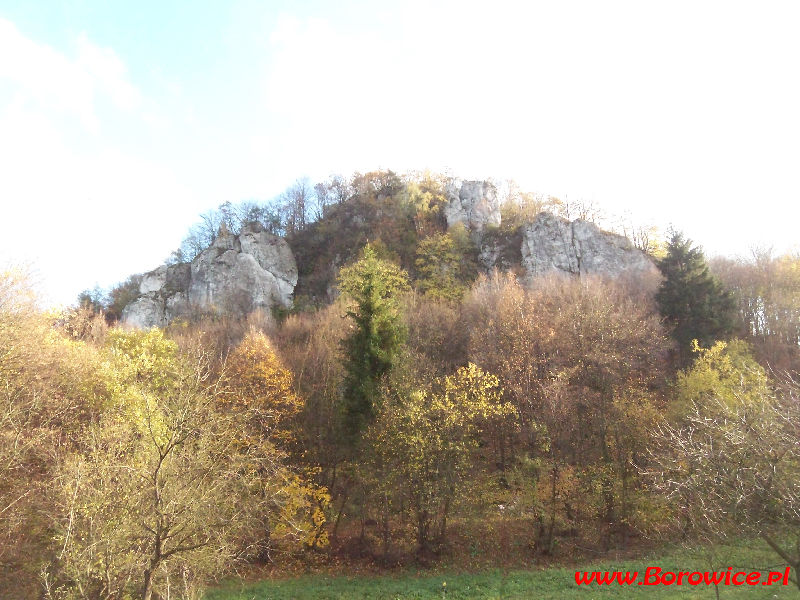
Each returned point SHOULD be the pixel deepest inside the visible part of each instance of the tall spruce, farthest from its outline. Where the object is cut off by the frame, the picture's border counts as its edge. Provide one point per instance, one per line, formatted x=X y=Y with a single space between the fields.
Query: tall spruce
x=692 y=301
x=373 y=285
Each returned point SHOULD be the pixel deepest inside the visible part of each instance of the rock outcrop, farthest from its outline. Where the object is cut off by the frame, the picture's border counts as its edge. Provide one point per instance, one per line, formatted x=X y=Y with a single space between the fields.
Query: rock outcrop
x=553 y=244
x=236 y=275
x=473 y=203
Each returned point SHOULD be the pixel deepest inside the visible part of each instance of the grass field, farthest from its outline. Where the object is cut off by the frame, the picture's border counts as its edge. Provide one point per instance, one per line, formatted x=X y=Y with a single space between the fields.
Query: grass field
x=545 y=583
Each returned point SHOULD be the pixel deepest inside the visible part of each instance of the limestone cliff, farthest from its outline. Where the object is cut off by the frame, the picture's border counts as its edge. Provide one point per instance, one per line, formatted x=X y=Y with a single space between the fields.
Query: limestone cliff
x=554 y=244
x=236 y=275
x=473 y=203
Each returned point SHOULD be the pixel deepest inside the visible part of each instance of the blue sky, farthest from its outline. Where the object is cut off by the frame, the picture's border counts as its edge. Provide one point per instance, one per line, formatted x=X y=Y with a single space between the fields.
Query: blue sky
x=120 y=122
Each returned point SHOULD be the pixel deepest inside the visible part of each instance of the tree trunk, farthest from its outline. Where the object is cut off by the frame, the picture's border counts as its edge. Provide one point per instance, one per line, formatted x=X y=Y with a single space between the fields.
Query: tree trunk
x=502 y=451
x=624 y=506
x=792 y=561
x=443 y=522
x=548 y=547
x=385 y=528
x=150 y=571
x=338 y=517
x=147 y=591
x=422 y=531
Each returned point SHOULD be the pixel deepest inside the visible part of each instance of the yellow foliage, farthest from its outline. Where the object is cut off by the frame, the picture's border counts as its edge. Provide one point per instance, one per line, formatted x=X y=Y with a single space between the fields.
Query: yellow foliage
x=259 y=385
x=143 y=358
x=723 y=373
x=301 y=512
x=257 y=381
x=422 y=442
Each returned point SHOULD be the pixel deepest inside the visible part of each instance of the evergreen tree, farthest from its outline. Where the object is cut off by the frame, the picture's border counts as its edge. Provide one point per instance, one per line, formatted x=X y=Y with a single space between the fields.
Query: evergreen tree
x=691 y=300
x=371 y=349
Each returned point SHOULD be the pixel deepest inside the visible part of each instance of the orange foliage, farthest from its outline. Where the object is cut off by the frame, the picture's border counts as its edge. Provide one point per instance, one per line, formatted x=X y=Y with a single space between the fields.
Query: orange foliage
x=257 y=380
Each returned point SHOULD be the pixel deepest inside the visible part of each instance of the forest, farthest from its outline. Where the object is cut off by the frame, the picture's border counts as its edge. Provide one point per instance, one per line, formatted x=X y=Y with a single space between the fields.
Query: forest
x=412 y=409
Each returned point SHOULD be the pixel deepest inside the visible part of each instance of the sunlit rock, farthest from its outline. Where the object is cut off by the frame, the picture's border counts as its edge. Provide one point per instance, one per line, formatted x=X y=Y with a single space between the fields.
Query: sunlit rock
x=235 y=275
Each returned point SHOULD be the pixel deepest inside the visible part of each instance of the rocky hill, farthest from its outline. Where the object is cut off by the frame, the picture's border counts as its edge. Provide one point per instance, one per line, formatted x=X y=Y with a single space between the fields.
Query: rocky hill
x=255 y=269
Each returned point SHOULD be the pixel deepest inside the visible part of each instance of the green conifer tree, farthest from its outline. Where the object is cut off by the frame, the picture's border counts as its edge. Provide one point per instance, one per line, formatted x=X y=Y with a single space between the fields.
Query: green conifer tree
x=373 y=285
x=691 y=300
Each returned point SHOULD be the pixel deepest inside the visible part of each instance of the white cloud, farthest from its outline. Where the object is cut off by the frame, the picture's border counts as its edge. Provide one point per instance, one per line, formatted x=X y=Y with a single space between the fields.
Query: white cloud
x=83 y=218
x=681 y=112
x=46 y=78
x=109 y=74
x=82 y=213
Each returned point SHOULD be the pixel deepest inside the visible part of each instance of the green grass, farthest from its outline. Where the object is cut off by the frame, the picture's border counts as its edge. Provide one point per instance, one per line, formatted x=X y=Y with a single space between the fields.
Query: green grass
x=548 y=583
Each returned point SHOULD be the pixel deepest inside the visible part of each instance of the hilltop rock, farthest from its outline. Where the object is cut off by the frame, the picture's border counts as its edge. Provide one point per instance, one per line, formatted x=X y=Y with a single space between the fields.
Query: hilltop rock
x=235 y=275
x=553 y=244
x=473 y=203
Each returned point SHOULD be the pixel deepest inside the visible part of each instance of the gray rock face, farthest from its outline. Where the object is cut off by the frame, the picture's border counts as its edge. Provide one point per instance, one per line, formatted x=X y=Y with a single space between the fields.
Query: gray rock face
x=236 y=275
x=553 y=244
x=153 y=281
x=473 y=203
x=144 y=312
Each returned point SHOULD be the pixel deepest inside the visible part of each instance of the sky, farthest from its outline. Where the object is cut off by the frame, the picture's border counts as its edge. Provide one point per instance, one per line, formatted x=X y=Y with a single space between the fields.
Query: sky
x=121 y=122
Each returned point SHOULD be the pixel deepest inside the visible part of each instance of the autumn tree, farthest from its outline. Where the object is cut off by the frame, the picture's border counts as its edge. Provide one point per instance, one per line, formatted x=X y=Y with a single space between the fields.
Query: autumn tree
x=257 y=383
x=422 y=444
x=376 y=183
x=118 y=297
x=373 y=287
x=518 y=206
x=51 y=385
x=691 y=300
x=446 y=264
x=425 y=200
x=24 y=431
x=766 y=292
x=259 y=386
x=171 y=486
x=83 y=323
x=576 y=358
x=311 y=345
x=730 y=462
x=437 y=335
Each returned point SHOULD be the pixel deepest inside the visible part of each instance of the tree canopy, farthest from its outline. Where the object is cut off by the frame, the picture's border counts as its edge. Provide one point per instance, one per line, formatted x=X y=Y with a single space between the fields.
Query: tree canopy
x=373 y=286
x=692 y=301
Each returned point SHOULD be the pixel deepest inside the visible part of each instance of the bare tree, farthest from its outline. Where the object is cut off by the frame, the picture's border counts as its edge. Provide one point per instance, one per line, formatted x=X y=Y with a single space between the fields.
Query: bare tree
x=732 y=464
x=321 y=200
x=296 y=202
x=646 y=238
x=586 y=210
